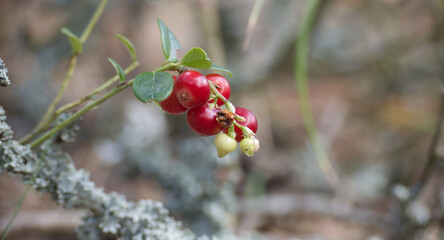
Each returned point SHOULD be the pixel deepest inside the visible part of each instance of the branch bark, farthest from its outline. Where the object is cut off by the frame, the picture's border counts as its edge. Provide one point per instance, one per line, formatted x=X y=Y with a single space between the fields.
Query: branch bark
x=109 y=213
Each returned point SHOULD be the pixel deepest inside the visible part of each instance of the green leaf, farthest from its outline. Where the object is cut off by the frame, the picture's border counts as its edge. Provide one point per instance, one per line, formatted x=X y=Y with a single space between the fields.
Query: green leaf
x=153 y=86
x=119 y=69
x=219 y=68
x=129 y=46
x=196 y=58
x=170 y=44
x=76 y=44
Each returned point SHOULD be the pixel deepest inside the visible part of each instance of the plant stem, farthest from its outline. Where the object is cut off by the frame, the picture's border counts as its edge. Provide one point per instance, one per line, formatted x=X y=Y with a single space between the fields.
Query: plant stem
x=245 y=130
x=432 y=157
x=16 y=211
x=92 y=22
x=104 y=86
x=25 y=193
x=167 y=67
x=50 y=110
x=227 y=103
x=76 y=103
x=217 y=93
x=48 y=117
x=252 y=20
x=231 y=108
x=91 y=105
x=301 y=69
x=79 y=113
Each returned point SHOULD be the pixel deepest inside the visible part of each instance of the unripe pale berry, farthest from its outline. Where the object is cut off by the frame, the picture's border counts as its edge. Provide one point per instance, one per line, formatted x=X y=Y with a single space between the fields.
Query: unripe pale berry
x=224 y=144
x=249 y=146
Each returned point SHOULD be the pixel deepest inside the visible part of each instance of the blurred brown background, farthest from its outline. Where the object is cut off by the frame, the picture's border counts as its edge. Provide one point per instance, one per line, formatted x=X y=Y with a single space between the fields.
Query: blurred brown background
x=376 y=71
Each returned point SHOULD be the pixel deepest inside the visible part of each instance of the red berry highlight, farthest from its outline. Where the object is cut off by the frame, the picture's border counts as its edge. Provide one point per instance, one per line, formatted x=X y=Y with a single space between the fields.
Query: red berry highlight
x=192 y=89
x=222 y=86
x=171 y=105
x=202 y=120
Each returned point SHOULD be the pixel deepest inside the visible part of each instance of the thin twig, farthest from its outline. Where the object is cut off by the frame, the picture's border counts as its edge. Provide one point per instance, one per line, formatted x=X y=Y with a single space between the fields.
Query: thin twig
x=50 y=110
x=71 y=105
x=93 y=21
x=79 y=113
x=432 y=155
x=104 y=86
x=28 y=187
x=301 y=69
x=252 y=20
x=48 y=116
x=94 y=104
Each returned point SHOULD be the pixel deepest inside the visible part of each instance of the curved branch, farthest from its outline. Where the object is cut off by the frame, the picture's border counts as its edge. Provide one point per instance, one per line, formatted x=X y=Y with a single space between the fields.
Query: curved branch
x=110 y=213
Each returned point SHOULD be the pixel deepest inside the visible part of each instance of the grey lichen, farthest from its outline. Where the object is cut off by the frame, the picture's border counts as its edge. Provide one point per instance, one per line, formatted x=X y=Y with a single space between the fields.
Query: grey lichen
x=189 y=169
x=110 y=214
x=205 y=204
x=4 y=79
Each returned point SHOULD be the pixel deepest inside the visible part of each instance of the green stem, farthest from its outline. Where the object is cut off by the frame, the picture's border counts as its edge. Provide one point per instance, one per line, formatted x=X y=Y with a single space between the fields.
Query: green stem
x=50 y=110
x=25 y=193
x=252 y=20
x=92 y=22
x=104 y=86
x=217 y=93
x=246 y=130
x=79 y=113
x=301 y=69
x=76 y=103
x=49 y=114
x=227 y=103
x=167 y=67
x=16 y=211
x=93 y=104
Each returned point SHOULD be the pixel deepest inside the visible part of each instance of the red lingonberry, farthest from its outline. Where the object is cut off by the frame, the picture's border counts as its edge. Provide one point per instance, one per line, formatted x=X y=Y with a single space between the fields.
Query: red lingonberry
x=202 y=120
x=192 y=89
x=250 y=122
x=171 y=104
x=222 y=86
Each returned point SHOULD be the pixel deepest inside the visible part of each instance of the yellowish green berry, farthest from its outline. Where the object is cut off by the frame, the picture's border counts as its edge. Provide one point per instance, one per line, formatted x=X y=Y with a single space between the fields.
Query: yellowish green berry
x=248 y=146
x=224 y=144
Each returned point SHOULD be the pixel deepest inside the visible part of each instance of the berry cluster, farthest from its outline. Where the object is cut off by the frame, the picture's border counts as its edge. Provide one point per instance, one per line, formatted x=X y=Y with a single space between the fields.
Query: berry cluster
x=210 y=113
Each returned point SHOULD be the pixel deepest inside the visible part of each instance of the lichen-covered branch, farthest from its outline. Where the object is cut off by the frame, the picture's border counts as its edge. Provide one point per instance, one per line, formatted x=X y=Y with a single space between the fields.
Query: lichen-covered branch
x=203 y=202
x=110 y=213
x=4 y=79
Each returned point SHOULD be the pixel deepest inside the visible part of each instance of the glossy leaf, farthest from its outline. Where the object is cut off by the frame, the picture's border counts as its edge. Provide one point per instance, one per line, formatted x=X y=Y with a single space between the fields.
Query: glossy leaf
x=170 y=44
x=119 y=69
x=76 y=44
x=153 y=86
x=129 y=46
x=219 y=68
x=196 y=58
